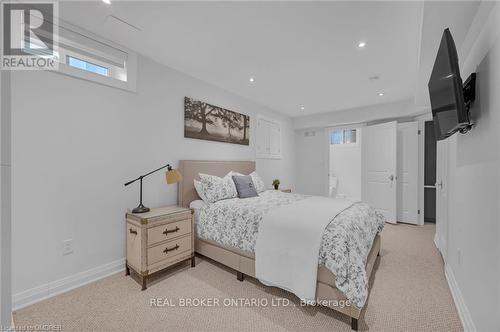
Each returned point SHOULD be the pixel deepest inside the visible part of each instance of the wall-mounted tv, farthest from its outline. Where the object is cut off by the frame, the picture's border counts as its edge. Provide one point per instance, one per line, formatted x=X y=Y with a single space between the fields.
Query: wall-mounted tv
x=450 y=99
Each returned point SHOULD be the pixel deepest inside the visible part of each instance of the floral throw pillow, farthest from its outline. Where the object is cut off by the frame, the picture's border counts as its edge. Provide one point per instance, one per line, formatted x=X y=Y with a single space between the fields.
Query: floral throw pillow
x=200 y=190
x=257 y=181
x=216 y=188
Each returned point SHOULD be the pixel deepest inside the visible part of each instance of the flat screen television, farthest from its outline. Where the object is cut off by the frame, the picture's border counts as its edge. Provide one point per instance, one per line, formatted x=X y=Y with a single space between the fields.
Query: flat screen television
x=450 y=110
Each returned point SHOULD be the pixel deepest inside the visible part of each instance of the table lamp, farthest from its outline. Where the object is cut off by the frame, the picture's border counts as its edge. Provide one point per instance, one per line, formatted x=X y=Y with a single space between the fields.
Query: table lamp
x=172 y=176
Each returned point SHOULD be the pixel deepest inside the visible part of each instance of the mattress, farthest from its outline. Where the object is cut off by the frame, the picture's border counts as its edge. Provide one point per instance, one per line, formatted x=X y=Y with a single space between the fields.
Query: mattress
x=346 y=242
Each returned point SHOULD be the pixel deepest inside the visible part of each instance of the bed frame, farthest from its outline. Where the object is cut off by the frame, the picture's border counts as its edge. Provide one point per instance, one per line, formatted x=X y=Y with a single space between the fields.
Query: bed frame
x=244 y=262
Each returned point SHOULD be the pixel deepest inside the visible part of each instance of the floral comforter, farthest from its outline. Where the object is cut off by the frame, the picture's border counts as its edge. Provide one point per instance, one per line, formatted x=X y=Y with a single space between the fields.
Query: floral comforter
x=345 y=245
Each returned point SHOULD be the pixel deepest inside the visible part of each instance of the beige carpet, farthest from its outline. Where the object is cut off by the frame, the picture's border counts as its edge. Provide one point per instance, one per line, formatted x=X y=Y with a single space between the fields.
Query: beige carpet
x=409 y=293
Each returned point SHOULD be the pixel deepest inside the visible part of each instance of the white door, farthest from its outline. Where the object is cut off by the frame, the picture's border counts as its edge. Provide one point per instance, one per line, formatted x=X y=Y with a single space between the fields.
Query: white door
x=268 y=139
x=262 y=138
x=442 y=197
x=378 y=164
x=407 y=182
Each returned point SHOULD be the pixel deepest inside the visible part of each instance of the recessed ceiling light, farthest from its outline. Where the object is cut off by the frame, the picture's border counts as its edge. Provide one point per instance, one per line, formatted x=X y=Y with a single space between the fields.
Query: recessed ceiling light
x=107 y=2
x=302 y=108
x=381 y=94
x=361 y=44
x=252 y=79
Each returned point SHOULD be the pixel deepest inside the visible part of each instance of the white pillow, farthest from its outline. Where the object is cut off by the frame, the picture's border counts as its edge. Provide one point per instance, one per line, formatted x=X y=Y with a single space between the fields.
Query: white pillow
x=200 y=190
x=257 y=181
x=231 y=173
x=216 y=188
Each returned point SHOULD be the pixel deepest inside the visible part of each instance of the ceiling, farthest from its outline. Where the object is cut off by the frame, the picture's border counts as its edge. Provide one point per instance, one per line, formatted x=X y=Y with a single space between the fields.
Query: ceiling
x=301 y=54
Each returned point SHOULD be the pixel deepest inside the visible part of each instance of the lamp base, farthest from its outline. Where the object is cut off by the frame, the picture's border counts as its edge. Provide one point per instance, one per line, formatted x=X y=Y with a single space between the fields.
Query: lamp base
x=140 y=209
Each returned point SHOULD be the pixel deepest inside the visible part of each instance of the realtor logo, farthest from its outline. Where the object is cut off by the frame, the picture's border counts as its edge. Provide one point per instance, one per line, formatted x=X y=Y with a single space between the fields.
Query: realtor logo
x=29 y=35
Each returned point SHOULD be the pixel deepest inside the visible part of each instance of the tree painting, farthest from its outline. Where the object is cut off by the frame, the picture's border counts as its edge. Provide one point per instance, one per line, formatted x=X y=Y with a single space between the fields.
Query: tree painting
x=213 y=123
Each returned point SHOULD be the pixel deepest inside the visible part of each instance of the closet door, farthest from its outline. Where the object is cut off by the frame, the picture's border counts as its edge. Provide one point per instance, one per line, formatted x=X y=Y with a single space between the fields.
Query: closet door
x=274 y=140
x=262 y=138
x=268 y=138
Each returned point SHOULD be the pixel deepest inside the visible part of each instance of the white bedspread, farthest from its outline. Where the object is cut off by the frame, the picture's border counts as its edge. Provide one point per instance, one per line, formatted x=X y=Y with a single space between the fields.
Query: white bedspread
x=346 y=242
x=288 y=244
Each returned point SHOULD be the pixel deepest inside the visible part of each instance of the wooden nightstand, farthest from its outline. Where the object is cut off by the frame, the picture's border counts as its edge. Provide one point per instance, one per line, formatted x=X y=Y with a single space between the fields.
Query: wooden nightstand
x=286 y=190
x=159 y=239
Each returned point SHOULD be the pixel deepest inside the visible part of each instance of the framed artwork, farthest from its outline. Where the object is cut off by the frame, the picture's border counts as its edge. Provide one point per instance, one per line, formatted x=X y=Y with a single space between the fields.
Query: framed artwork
x=213 y=123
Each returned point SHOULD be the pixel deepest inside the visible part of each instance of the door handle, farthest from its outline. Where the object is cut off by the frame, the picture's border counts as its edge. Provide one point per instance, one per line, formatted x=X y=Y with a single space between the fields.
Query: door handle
x=392 y=178
x=439 y=184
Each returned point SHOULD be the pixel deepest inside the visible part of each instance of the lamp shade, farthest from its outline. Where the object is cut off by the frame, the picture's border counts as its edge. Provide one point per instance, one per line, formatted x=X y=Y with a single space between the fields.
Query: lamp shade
x=173 y=176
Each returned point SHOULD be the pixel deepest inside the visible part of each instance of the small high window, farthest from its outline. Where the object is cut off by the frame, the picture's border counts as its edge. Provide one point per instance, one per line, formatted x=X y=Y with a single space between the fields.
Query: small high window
x=342 y=136
x=87 y=66
x=82 y=54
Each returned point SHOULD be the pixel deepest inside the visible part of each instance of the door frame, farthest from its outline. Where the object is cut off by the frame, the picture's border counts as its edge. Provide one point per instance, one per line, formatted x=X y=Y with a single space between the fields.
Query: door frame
x=415 y=132
x=442 y=197
x=421 y=163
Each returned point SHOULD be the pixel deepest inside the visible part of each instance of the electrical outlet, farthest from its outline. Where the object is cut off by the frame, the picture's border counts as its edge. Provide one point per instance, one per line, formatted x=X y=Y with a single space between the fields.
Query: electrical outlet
x=459 y=256
x=67 y=247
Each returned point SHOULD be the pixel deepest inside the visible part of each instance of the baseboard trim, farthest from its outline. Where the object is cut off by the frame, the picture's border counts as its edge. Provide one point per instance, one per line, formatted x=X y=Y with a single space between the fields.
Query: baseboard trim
x=436 y=240
x=39 y=293
x=463 y=311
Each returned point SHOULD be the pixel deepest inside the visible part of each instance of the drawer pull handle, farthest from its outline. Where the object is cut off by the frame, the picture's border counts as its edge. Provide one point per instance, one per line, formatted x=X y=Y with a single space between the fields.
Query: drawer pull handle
x=171 y=231
x=171 y=249
x=133 y=231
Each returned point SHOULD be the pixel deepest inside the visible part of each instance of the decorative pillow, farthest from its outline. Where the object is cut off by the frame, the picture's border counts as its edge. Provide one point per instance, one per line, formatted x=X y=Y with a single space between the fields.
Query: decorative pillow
x=216 y=188
x=200 y=190
x=231 y=173
x=244 y=186
x=257 y=180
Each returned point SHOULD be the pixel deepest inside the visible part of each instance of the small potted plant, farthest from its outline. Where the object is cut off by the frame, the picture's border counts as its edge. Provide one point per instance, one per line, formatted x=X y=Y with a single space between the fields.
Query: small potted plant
x=276 y=183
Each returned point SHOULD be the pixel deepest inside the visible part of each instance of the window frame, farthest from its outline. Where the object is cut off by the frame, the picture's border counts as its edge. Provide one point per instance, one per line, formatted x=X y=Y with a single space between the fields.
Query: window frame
x=122 y=78
x=344 y=130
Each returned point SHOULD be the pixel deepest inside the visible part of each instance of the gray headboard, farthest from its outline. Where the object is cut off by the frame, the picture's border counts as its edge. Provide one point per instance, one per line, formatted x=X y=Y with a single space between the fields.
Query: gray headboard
x=190 y=169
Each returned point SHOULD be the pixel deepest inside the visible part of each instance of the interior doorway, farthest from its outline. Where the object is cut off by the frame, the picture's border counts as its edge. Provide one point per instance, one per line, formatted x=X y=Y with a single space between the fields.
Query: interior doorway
x=344 y=171
x=380 y=164
x=430 y=153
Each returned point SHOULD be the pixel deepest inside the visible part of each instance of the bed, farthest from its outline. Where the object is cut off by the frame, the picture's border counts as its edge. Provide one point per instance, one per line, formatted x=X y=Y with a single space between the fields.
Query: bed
x=241 y=257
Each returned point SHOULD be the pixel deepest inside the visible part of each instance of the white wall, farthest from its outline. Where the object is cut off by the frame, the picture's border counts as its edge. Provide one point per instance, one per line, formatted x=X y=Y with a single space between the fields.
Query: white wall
x=5 y=200
x=402 y=109
x=345 y=164
x=474 y=182
x=312 y=162
x=75 y=143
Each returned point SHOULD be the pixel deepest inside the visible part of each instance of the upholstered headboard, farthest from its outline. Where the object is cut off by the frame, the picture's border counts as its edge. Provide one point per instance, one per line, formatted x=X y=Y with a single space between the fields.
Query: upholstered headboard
x=190 y=169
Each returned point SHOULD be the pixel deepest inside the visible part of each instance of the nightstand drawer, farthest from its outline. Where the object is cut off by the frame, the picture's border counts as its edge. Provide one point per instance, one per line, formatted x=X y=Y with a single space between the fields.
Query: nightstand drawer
x=169 y=231
x=169 y=249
